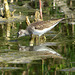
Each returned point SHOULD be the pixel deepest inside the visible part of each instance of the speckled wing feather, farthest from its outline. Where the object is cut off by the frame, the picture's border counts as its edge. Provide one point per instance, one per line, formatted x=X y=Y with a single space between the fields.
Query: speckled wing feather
x=43 y=24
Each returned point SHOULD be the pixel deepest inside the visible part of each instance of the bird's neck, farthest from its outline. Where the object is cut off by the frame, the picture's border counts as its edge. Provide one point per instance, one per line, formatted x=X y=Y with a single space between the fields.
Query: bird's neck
x=26 y=32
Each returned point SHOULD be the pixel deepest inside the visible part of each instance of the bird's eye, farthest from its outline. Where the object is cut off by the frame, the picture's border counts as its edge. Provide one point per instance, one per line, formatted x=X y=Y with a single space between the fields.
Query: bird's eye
x=21 y=32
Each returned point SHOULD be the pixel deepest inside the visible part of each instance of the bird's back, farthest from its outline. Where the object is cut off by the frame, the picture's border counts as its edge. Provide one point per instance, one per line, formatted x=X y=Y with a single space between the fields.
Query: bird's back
x=43 y=25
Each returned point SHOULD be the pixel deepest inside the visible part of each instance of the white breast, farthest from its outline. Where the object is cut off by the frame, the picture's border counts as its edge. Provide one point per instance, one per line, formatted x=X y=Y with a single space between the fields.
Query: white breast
x=40 y=32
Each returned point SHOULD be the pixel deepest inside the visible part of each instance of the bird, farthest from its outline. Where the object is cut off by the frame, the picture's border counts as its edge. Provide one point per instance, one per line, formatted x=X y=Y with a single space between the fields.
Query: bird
x=39 y=28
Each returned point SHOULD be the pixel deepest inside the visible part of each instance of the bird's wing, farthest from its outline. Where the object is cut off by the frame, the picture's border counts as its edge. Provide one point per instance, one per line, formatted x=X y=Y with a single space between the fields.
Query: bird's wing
x=44 y=24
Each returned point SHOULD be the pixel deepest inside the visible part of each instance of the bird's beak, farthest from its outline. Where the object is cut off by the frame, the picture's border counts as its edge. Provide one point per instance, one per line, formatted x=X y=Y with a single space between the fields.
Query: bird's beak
x=17 y=35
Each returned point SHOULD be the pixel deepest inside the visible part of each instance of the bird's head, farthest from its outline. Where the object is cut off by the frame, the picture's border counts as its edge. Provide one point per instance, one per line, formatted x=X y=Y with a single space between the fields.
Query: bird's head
x=23 y=33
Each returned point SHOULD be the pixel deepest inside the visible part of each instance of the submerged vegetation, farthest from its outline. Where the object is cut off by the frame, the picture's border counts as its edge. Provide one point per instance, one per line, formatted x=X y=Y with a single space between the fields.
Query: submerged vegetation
x=54 y=55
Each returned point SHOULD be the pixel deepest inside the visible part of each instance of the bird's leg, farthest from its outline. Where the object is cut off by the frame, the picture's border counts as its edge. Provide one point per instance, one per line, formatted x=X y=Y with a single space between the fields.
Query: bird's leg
x=39 y=40
x=32 y=40
x=44 y=37
x=36 y=37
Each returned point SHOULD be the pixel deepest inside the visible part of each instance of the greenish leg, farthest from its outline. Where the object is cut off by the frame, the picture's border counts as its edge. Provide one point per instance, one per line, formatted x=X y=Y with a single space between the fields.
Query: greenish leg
x=39 y=40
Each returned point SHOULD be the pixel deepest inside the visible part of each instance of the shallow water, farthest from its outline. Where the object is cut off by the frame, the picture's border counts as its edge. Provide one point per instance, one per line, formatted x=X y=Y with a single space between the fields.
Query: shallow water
x=53 y=57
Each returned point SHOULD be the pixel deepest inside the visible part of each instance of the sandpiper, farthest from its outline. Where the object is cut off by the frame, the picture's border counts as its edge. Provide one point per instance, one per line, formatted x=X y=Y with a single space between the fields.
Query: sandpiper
x=39 y=28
